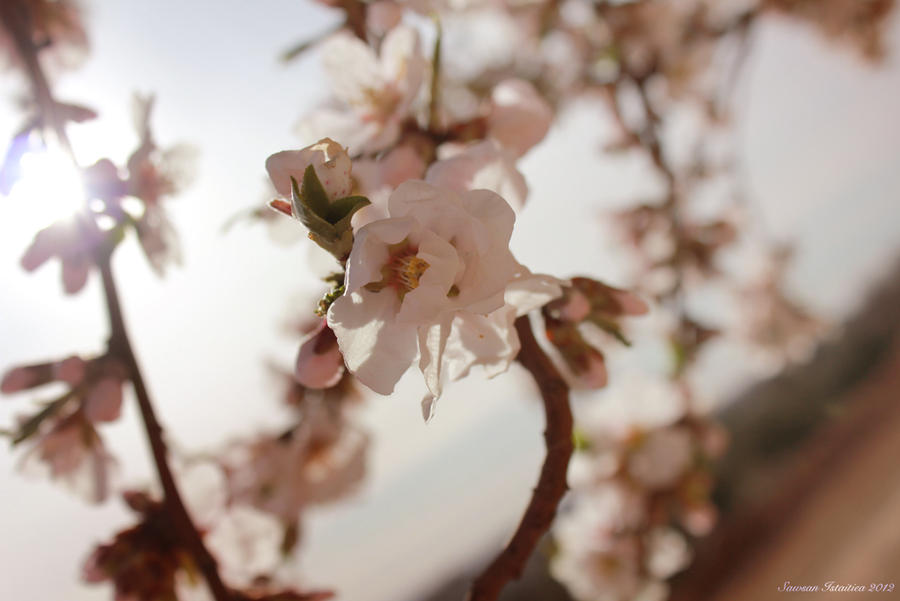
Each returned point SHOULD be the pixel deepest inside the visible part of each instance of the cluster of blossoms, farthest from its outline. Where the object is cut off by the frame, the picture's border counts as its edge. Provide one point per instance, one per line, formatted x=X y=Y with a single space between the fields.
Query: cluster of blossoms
x=63 y=435
x=63 y=432
x=641 y=482
x=162 y=555
x=409 y=179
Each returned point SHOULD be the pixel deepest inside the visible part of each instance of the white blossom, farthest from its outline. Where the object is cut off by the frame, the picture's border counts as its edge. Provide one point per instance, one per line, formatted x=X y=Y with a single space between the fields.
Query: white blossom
x=435 y=280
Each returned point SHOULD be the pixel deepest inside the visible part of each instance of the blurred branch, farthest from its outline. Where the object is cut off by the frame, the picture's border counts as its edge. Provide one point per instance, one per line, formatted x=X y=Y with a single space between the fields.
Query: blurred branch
x=120 y=346
x=16 y=19
x=551 y=487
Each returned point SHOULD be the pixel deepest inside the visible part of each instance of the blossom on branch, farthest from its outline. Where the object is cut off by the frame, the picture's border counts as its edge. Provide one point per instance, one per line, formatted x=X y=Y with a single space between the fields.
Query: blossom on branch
x=435 y=280
x=377 y=92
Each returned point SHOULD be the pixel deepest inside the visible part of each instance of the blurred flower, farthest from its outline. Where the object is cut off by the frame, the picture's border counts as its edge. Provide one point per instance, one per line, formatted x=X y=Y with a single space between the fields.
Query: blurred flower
x=377 y=178
x=320 y=459
x=377 y=91
x=861 y=23
x=74 y=242
x=519 y=117
x=142 y=562
x=71 y=450
x=587 y=302
x=53 y=26
x=481 y=166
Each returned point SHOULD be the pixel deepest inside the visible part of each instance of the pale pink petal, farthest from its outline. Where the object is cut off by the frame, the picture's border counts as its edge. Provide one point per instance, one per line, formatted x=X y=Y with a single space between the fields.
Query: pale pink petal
x=370 y=251
x=70 y=370
x=17 y=379
x=383 y=15
x=376 y=349
x=353 y=69
x=75 y=274
x=104 y=401
x=482 y=166
x=520 y=117
x=328 y=158
x=319 y=361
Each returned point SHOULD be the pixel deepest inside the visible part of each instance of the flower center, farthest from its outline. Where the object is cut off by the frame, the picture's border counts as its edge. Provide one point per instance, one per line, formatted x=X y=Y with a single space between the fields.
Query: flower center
x=402 y=271
x=407 y=269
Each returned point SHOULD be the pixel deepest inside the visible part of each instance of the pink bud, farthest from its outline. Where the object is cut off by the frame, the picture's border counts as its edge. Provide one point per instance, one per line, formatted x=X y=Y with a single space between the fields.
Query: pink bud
x=70 y=370
x=319 y=361
x=699 y=521
x=593 y=373
x=576 y=306
x=74 y=275
x=104 y=401
x=629 y=302
x=18 y=378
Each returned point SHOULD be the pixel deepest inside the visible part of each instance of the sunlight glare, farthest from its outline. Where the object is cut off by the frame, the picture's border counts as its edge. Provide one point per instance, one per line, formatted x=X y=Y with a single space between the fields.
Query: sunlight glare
x=51 y=188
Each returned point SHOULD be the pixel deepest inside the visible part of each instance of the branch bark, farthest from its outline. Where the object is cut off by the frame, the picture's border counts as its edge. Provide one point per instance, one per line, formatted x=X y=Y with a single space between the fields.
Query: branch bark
x=551 y=486
x=120 y=347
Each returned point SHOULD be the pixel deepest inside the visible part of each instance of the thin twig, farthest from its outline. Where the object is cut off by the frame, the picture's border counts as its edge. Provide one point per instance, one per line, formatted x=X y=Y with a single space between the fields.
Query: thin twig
x=551 y=486
x=120 y=346
x=15 y=18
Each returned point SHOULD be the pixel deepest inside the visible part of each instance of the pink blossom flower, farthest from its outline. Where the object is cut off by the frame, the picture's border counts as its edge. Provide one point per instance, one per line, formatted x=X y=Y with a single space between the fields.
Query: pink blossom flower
x=377 y=91
x=74 y=242
x=72 y=452
x=321 y=459
x=436 y=270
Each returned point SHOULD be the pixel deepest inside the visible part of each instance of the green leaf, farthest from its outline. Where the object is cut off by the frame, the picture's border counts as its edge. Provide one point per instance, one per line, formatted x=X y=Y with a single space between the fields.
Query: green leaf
x=313 y=194
x=31 y=425
x=610 y=327
x=307 y=216
x=343 y=208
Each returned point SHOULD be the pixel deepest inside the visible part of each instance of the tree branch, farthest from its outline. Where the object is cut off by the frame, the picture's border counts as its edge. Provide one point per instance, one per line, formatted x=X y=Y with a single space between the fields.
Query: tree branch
x=120 y=347
x=551 y=487
x=15 y=17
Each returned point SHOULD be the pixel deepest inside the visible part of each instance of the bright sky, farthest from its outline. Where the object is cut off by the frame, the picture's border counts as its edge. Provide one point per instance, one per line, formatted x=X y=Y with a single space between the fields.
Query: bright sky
x=820 y=142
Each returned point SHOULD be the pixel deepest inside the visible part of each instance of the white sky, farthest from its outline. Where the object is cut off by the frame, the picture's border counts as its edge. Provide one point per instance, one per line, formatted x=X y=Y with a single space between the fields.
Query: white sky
x=820 y=142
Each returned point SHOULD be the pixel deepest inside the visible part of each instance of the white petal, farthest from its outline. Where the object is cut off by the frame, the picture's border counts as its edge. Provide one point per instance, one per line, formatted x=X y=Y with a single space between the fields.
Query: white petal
x=352 y=68
x=370 y=252
x=376 y=348
x=432 y=342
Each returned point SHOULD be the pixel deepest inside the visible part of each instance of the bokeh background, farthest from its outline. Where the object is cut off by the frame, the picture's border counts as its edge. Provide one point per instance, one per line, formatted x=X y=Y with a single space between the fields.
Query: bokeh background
x=818 y=140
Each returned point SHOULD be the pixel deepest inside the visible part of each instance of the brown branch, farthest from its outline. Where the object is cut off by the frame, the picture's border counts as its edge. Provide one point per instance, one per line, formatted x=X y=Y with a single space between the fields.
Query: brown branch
x=16 y=19
x=120 y=347
x=510 y=562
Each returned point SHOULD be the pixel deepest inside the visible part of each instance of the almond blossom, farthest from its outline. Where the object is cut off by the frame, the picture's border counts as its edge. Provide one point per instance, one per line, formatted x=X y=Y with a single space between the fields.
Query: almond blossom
x=437 y=270
x=377 y=91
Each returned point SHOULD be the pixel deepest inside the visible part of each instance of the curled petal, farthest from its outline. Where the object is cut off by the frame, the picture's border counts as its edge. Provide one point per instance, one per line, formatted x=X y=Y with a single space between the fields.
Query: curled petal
x=319 y=360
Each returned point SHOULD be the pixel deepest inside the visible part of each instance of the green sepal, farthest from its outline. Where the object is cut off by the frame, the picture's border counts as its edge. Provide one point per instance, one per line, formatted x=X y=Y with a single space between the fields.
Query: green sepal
x=328 y=222
x=31 y=425
x=609 y=327
x=342 y=209
x=313 y=193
